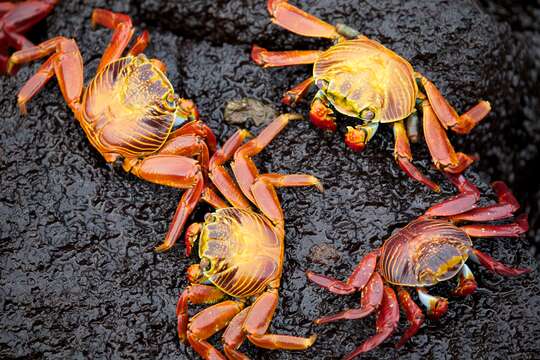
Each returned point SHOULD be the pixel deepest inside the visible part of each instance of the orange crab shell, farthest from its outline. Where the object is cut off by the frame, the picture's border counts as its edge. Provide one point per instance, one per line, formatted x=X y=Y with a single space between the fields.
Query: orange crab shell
x=244 y=251
x=128 y=108
x=363 y=74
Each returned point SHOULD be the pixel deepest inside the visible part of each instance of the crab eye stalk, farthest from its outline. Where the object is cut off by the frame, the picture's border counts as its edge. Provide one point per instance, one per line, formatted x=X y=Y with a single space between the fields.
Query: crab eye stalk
x=205 y=264
x=367 y=114
x=322 y=84
x=186 y=111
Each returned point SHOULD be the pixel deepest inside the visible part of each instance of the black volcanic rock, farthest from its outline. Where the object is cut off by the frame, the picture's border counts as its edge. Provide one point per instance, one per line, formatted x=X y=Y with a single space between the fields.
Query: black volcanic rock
x=78 y=277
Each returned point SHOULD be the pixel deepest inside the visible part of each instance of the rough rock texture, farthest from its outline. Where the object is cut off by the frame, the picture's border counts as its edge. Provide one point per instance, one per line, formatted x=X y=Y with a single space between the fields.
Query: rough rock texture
x=77 y=272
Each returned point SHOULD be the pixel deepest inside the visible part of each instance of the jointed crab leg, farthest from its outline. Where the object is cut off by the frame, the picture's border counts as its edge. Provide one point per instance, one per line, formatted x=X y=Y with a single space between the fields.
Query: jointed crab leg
x=234 y=336
x=414 y=315
x=292 y=96
x=266 y=58
x=220 y=176
x=372 y=295
x=466 y=199
x=513 y=229
x=386 y=324
x=496 y=266
x=300 y=22
x=448 y=116
x=403 y=156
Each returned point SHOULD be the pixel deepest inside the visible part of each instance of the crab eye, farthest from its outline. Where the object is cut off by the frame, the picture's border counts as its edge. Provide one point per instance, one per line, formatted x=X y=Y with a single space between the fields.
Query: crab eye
x=205 y=264
x=367 y=114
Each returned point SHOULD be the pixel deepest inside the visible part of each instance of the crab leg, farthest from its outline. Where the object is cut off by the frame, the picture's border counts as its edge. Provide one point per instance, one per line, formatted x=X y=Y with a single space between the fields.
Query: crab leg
x=436 y=306
x=448 y=116
x=68 y=67
x=292 y=180
x=467 y=285
x=292 y=96
x=386 y=324
x=372 y=295
x=257 y=323
x=356 y=281
x=140 y=44
x=297 y=21
x=507 y=205
x=514 y=229
x=414 y=314
x=266 y=58
x=196 y=127
x=403 y=156
x=442 y=152
x=187 y=145
x=466 y=199
x=123 y=32
x=496 y=266
x=220 y=176
x=234 y=336
x=208 y=322
x=211 y=197
x=195 y=294
x=243 y=167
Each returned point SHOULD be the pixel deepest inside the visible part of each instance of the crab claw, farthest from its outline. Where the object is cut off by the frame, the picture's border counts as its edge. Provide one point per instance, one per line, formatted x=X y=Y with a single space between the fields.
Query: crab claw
x=186 y=111
x=355 y=139
x=436 y=306
x=322 y=116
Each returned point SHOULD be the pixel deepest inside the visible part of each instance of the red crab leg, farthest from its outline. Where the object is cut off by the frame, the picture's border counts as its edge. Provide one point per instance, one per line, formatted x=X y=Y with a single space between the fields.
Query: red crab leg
x=403 y=156
x=460 y=124
x=372 y=295
x=257 y=323
x=414 y=314
x=436 y=306
x=292 y=96
x=220 y=176
x=356 y=281
x=464 y=201
x=507 y=205
x=386 y=324
x=234 y=336
x=208 y=322
x=297 y=21
x=466 y=285
x=140 y=44
x=515 y=229
x=243 y=167
x=266 y=58
x=442 y=152
x=36 y=83
x=495 y=266
x=68 y=67
x=123 y=31
x=195 y=294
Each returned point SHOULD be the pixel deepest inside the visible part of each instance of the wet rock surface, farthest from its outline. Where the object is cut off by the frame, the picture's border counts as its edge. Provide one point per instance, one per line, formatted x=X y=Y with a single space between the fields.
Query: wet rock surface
x=79 y=278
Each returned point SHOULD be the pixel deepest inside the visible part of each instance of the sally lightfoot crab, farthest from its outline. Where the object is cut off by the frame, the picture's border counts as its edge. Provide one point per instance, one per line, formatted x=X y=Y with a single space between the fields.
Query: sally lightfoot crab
x=129 y=111
x=241 y=254
x=15 y=20
x=360 y=78
x=427 y=251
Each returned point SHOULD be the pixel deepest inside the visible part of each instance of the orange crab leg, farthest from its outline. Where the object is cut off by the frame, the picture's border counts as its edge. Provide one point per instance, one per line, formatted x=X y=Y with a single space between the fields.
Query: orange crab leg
x=292 y=96
x=386 y=324
x=123 y=31
x=506 y=206
x=208 y=322
x=243 y=167
x=372 y=295
x=291 y=180
x=68 y=67
x=414 y=314
x=403 y=156
x=211 y=197
x=220 y=176
x=187 y=145
x=36 y=83
x=258 y=320
x=195 y=294
x=514 y=229
x=466 y=199
x=234 y=336
x=199 y=128
x=495 y=266
x=140 y=44
x=266 y=58
x=443 y=154
x=297 y=21
x=447 y=114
